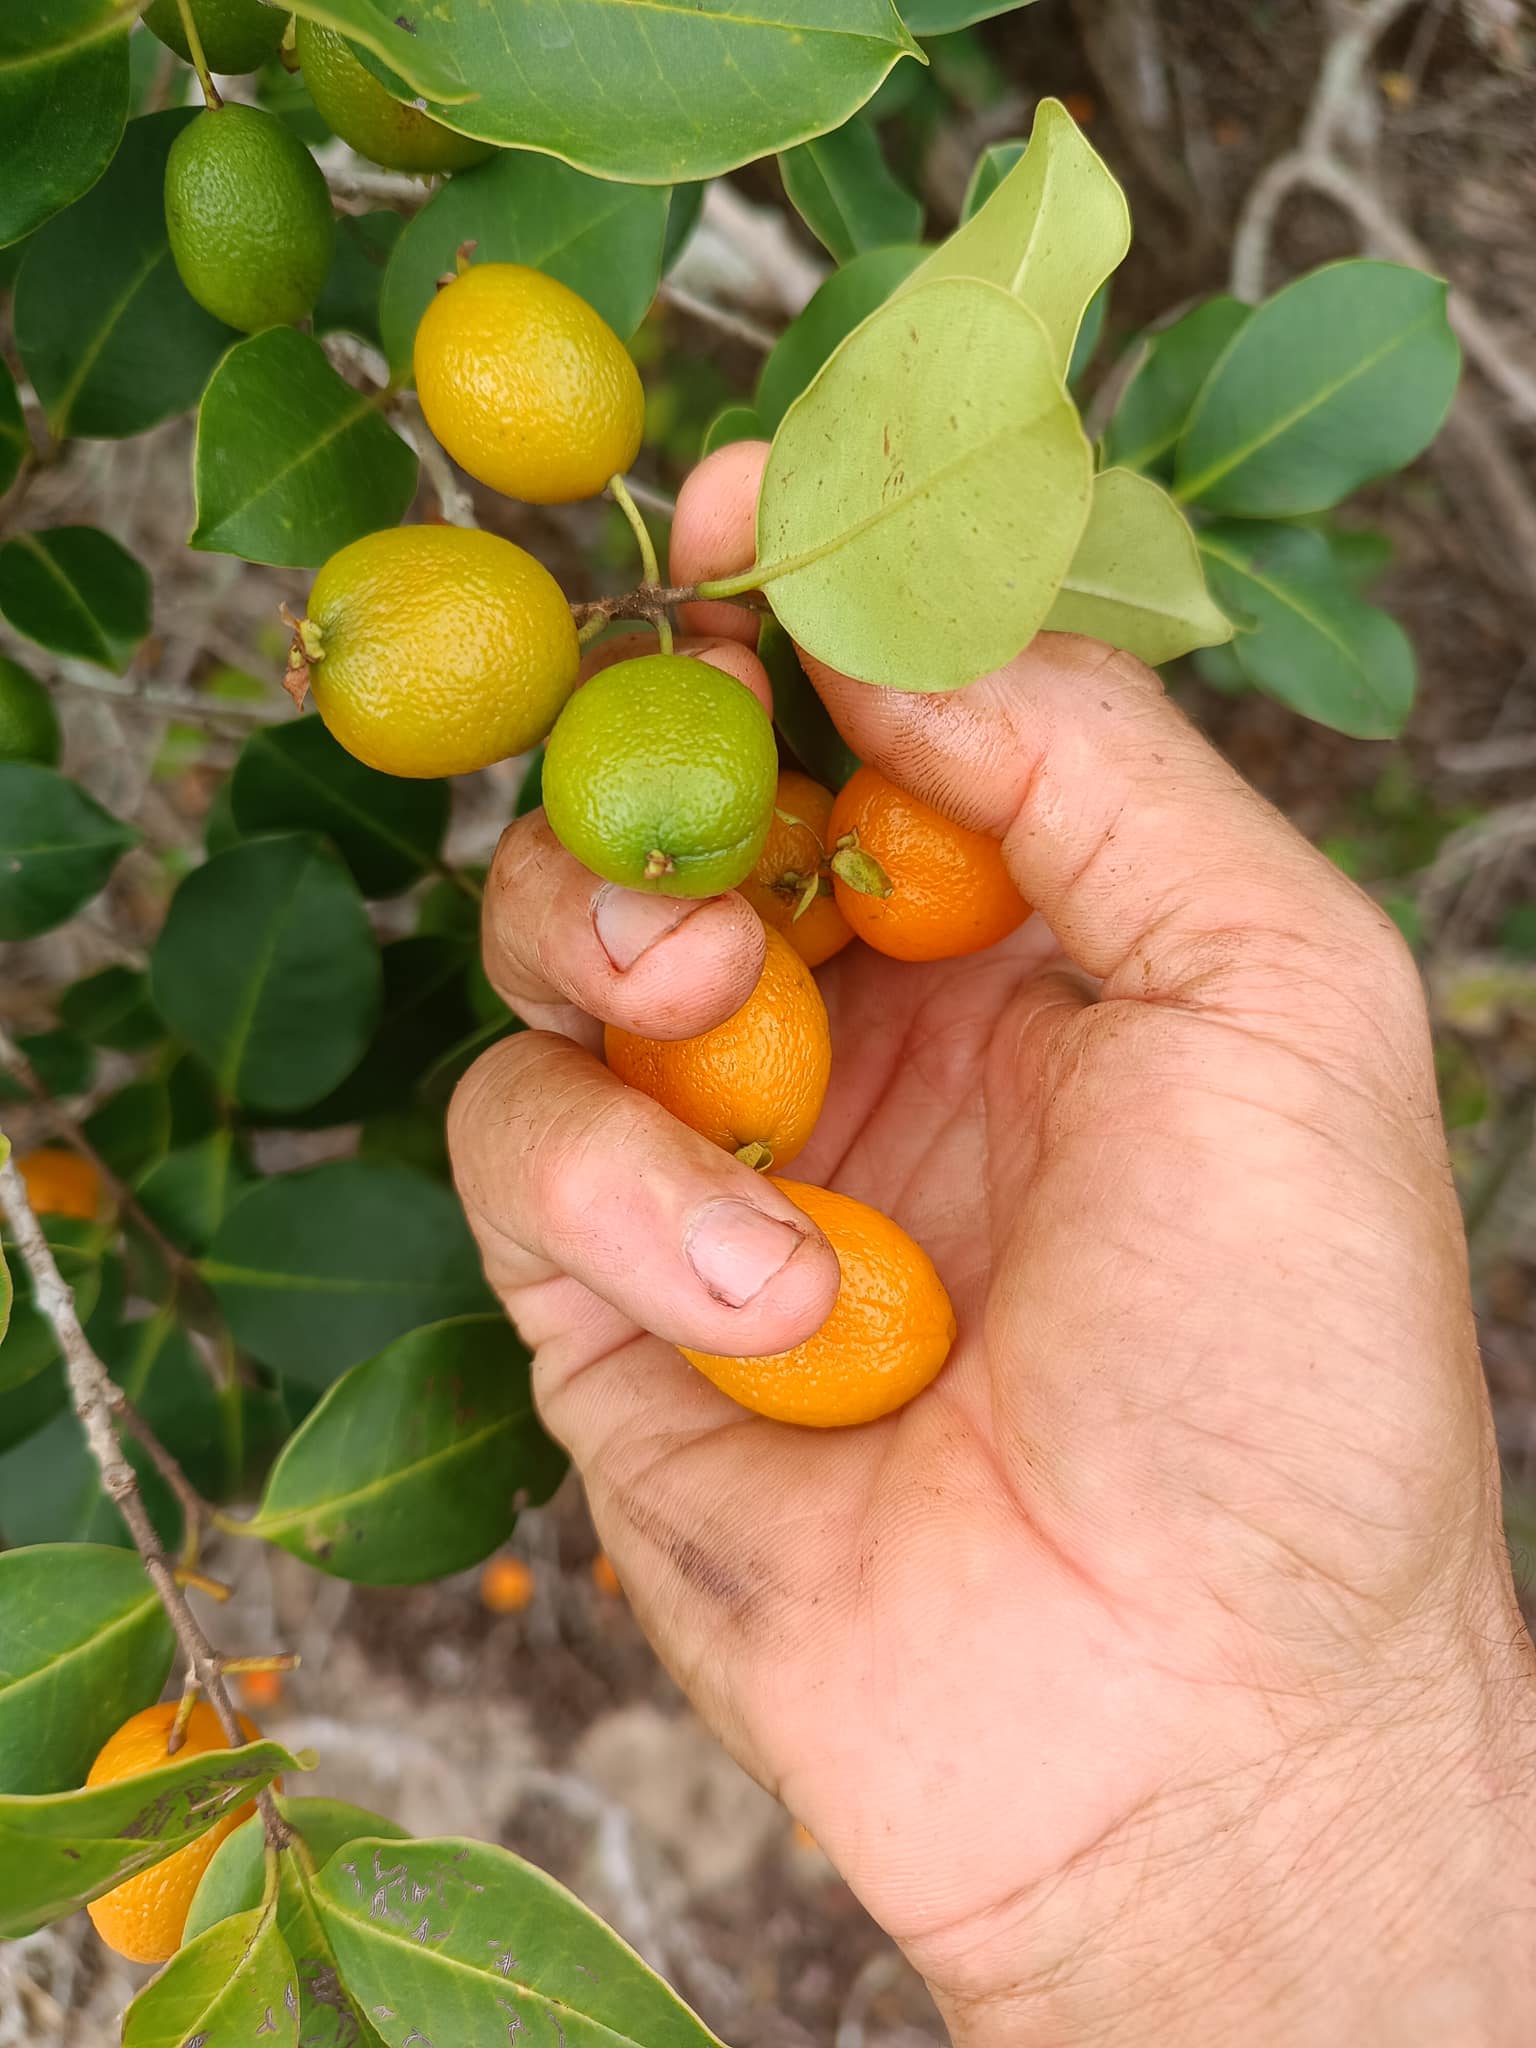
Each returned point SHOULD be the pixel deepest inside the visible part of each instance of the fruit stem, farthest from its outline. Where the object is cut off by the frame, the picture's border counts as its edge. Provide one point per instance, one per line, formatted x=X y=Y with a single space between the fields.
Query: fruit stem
x=859 y=870
x=199 y=61
x=650 y=568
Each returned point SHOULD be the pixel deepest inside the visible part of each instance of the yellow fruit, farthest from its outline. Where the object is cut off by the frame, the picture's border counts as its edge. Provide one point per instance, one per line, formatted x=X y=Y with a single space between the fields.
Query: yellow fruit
x=60 y=1183
x=143 y=1919
x=435 y=650
x=526 y=386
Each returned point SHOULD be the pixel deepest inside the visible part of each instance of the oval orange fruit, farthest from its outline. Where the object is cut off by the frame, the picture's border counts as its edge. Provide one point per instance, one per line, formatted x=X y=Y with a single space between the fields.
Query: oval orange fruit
x=889 y=1332
x=788 y=874
x=61 y=1183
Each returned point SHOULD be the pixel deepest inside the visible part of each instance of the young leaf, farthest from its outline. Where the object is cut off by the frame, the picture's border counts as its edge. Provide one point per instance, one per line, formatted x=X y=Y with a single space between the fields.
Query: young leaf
x=426 y=1009
x=846 y=193
x=1136 y=580
x=84 y=1643
x=60 y=1851
x=847 y=298
x=15 y=441
x=949 y=466
x=1343 y=376
x=349 y=299
x=75 y=591
x=292 y=463
x=63 y=102
x=234 y=1983
x=1303 y=635
x=1155 y=406
x=112 y=339
x=267 y=966
x=467 y=1929
x=602 y=239
x=317 y=1271
x=659 y=93
x=112 y=1007
x=1053 y=230
x=295 y=778
x=414 y=1464
x=57 y=848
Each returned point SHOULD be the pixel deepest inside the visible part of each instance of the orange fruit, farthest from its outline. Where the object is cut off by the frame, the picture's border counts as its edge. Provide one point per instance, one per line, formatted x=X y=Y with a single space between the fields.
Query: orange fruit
x=949 y=891
x=789 y=872
x=604 y=1577
x=61 y=1183
x=261 y=1689
x=143 y=1918
x=506 y=1586
x=756 y=1083
x=889 y=1332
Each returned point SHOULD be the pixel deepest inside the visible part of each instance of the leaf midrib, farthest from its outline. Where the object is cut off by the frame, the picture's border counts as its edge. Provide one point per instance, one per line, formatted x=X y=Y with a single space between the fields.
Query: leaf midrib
x=59 y=414
x=10 y=1688
x=228 y=1070
x=340 y=1503
x=1286 y=597
x=34 y=547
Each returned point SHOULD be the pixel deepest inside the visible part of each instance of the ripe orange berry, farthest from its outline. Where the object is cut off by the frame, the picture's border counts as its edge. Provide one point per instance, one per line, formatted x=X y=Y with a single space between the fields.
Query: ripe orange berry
x=756 y=1083
x=790 y=865
x=889 y=1332
x=605 y=1578
x=143 y=1918
x=262 y=1690
x=506 y=1586
x=950 y=892
x=61 y=1183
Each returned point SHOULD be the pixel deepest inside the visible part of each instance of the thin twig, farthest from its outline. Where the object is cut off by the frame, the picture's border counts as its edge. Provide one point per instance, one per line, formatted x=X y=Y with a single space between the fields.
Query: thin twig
x=454 y=501
x=651 y=499
x=734 y=326
x=196 y=1513
x=190 y=705
x=357 y=181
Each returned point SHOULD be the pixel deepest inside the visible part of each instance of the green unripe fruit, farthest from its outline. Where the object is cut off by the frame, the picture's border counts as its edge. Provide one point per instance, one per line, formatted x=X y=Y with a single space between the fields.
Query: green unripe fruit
x=249 y=217
x=356 y=107
x=660 y=774
x=236 y=35
x=29 y=725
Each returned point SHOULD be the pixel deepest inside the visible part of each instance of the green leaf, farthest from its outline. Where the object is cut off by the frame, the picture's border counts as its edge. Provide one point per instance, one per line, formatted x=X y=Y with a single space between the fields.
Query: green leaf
x=7 y=1292
x=1343 y=376
x=267 y=967
x=942 y=17
x=77 y=592
x=949 y=467
x=987 y=173
x=64 y=1064
x=112 y=339
x=846 y=193
x=1156 y=404
x=317 y=1271
x=800 y=714
x=60 y=1851
x=132 y=1127
x=847 y=298
x=732 y=423
x=1361 y=554
x=440 y=1079
x=349 y=299
x=425 y=1010
x=292 y=463
x=235 y=1882
x=190 y=1191
x=33 y=1389
x=1136 y=580
x=112 y=1007
x=1086 y=345
x=57 y=848
x=645 y=94
x=236 y=1982
x=84 y=1643
x=602 y=239
x=63 y=102
x=415 y=1463
x=478 y=1939
x=296 y=778
x=1053 y=230
x=15 y=441
x=1303 y=635
x=684 y=211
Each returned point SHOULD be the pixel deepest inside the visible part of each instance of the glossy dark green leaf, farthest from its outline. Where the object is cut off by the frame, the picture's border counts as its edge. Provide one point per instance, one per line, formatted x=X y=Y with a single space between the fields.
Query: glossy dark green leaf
x=234 y=1983
x=132 y=1127
x=1343 y=376
x=111 y=338
x=63 y=102
x=444 y=1075
x=472 y=1935
x=317 y=1271
x=1303 y=635
x=684 y=210
x=296 y=778
x=658 y=93
x=1088 y=336
x=1156 y=404
x=410 y=1136
x=1136 y=580
x=57 y=848
x=190 y=1191
x=602 y=239
x=59 y=1851
x=15 y=441
x=63 y=1063
x=267 y=967
x=987 y=173
x=800 y=714
x=349 y=299
x=414 y=1465
x=732 y=423
x=76 y=591
x=848 y=297
x=425 y=1011
x=84 y=1643
x=291 y=461
x=846 y=193
x=112 y=1007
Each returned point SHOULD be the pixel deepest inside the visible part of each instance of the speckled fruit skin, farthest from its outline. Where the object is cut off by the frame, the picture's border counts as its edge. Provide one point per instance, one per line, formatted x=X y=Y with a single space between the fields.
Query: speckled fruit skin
x=249 y=217
x=443 y=649
x=660 y=775
x=526 y=386
x=236 y=35
x=887 y=1337
x=355 y=106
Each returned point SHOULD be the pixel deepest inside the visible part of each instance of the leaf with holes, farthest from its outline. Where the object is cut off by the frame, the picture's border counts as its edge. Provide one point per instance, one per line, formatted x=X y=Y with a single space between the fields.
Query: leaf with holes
x=76 y=591
x=1135 y=580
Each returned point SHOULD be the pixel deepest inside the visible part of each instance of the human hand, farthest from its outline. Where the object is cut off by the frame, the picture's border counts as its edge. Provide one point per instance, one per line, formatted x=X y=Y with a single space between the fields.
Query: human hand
x=1156 y=1674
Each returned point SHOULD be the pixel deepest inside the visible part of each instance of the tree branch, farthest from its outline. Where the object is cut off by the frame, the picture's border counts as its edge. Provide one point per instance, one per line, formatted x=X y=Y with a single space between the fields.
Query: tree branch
x=734 y=326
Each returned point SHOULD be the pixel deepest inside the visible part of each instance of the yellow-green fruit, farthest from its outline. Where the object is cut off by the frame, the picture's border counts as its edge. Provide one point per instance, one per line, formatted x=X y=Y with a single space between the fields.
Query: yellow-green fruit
x=29 y=725
x=249 y=217
x=436 y=650
x=353 y=103
x=236 y=35
x=660 y=774
x=526 y=386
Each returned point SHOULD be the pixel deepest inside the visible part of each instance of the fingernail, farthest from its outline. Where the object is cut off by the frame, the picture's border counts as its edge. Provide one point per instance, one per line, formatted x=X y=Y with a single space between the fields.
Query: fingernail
x=736 y=1250
x=628 y=922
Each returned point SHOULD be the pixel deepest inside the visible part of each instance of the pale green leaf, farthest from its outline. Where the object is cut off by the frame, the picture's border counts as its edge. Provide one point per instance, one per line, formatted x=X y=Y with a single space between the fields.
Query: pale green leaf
x=1136 y=580
x=234 y=1984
